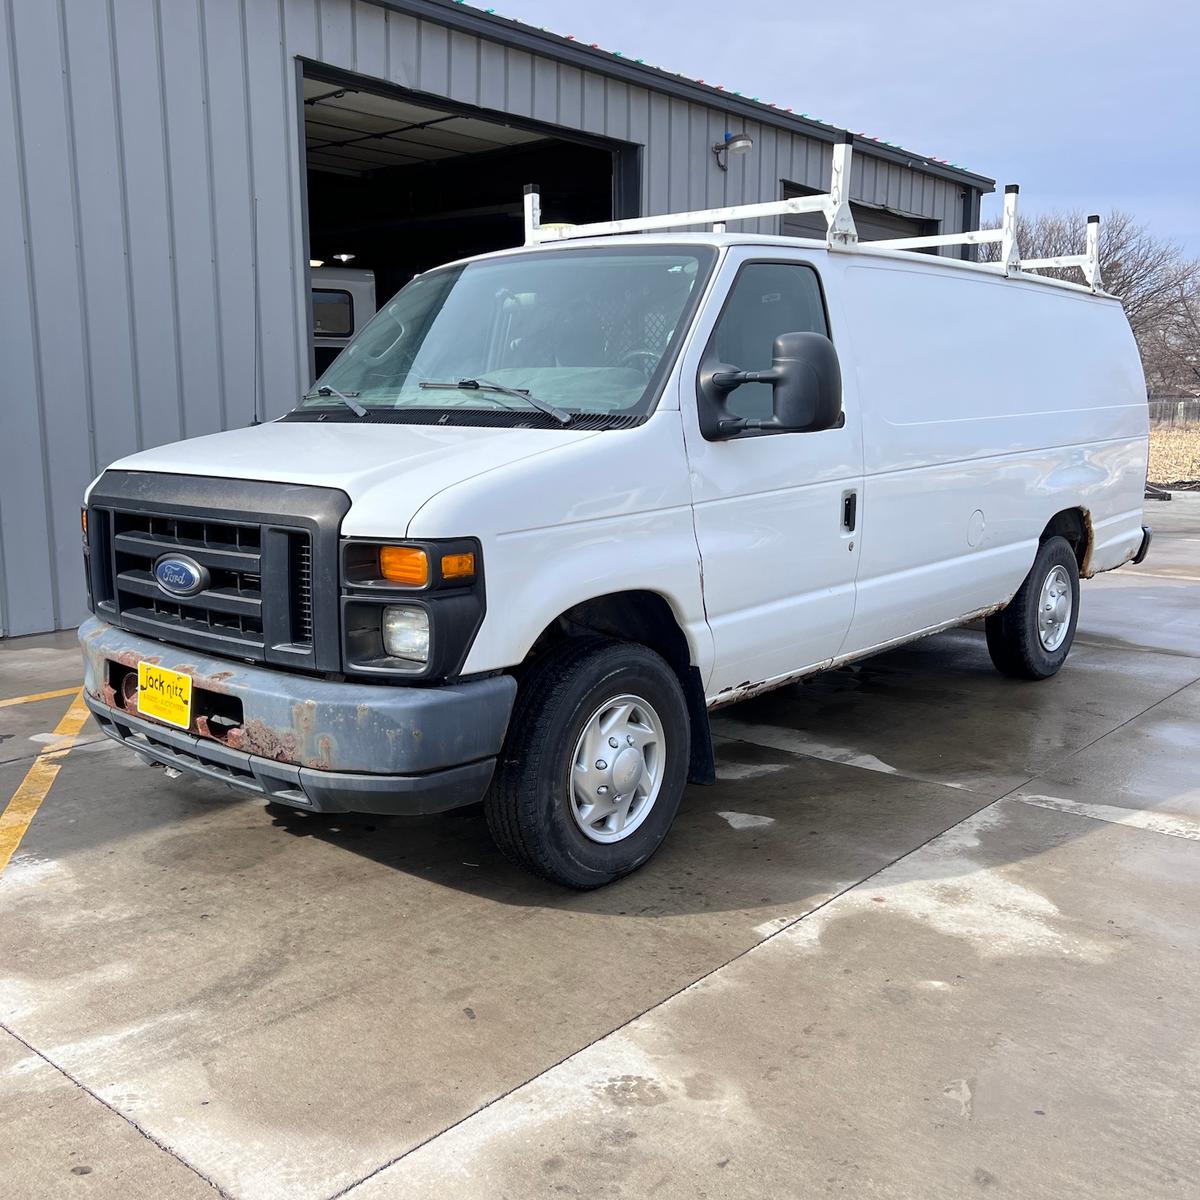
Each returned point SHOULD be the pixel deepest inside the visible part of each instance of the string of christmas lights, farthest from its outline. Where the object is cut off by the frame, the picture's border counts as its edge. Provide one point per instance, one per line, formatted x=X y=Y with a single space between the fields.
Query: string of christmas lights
x=716 y=87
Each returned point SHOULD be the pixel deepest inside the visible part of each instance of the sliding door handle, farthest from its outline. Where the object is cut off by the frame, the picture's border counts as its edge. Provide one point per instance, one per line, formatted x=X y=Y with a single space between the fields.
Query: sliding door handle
x=849 y=511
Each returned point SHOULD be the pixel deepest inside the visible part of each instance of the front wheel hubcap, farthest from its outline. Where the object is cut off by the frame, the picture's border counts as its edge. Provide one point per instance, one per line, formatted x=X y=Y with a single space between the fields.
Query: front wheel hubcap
x=1054 y=609
x=617 y=768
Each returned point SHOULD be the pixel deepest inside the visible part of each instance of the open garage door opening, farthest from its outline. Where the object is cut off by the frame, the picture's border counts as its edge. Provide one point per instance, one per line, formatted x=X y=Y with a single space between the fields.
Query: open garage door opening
x=872 y=222
x=398 y=184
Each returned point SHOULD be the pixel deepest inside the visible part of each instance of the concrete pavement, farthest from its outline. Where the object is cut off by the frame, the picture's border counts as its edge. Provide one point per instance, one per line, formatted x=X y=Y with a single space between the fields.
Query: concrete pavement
x=932 y=933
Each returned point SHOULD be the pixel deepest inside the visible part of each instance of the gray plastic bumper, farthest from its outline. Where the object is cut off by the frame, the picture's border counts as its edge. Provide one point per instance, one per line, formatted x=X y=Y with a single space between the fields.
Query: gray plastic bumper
x=312 y=743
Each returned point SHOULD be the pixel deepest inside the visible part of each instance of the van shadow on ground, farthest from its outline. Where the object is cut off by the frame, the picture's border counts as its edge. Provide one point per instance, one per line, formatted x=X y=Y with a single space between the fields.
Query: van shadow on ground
x=927 y=736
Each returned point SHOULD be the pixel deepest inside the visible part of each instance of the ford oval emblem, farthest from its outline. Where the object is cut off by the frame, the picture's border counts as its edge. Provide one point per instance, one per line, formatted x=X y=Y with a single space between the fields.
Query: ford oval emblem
x=179 y=575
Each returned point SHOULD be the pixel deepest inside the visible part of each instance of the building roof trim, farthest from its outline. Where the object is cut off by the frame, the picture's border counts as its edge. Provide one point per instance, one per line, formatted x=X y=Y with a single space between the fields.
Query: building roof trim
x=456 y=14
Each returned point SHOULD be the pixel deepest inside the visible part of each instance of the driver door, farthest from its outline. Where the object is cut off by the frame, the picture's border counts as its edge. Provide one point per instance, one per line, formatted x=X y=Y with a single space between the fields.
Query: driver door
x=777 y=515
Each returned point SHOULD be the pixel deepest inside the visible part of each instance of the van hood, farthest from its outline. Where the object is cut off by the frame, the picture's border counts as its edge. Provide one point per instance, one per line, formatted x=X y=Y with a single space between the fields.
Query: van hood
x=400 y=466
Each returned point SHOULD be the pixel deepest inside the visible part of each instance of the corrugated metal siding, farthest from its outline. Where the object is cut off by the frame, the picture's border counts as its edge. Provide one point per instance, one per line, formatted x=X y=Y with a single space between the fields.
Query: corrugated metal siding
x=136 y=138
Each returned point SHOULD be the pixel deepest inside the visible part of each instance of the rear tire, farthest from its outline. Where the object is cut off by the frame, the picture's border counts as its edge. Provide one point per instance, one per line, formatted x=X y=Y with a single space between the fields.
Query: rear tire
x=1032 y=636
x=594 y=765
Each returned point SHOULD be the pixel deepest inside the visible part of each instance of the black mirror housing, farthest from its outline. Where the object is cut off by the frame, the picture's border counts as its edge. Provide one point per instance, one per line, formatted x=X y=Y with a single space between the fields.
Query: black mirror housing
x=806 y=386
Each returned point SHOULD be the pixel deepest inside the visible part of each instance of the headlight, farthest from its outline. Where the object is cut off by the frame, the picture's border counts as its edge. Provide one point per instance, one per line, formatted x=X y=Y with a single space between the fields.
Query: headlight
x=410 y=610
x=406 y=632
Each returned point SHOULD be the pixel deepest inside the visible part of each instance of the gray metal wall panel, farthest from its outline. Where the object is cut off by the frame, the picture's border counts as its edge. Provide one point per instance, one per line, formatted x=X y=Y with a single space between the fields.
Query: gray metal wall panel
x=616 y=109
x=227 y=134
x=463 y=84
x=280 y=256
x=58 y=324
x=189 y=176
x=335 y=31
x=544 y=106
x=135 y=138
x=404 y=52
x=102 y=232
x=370 y=40
x=492 y=81
x=25 y=523
x=152 y=301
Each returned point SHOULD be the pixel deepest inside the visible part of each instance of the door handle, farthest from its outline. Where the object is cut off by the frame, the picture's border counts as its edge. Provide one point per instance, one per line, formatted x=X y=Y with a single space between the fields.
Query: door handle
x=849 y=511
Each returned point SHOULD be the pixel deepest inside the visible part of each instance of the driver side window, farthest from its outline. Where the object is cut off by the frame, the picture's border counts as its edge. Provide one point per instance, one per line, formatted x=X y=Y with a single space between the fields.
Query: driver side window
x=767 y=299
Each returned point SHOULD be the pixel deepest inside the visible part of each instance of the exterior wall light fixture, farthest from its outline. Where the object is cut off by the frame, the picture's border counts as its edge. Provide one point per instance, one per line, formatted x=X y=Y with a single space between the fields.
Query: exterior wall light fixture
x=734 y=143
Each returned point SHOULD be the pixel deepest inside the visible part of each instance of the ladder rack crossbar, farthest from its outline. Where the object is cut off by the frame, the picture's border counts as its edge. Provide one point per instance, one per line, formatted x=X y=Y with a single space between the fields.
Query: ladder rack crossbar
x=972 y=237
x=707 y=216
x=841 y=234
x=1061 y=262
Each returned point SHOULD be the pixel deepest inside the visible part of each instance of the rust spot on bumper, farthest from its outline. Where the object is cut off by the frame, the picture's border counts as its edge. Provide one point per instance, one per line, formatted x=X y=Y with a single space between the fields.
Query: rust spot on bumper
x=257 y=738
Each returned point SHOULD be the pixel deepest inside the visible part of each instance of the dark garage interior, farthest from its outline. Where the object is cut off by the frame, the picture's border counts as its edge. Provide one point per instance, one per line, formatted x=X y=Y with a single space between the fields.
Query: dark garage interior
x=400 y=186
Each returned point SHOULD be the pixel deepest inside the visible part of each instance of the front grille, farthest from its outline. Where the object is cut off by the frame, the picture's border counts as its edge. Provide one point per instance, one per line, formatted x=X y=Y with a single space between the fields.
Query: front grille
x=271 y=588
x=230 y=608
x=300 y=551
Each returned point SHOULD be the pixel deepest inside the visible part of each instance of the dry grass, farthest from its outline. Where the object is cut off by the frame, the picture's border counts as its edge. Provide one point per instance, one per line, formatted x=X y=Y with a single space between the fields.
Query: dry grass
x=1174 y=454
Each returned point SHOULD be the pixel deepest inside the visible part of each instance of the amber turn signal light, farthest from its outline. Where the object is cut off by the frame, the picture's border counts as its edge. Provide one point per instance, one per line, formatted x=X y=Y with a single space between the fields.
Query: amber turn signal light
x=458 y=566
x=408 y=565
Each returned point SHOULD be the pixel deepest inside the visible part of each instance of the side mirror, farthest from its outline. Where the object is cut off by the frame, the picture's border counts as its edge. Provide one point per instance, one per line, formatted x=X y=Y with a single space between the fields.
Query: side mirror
x=806 y=386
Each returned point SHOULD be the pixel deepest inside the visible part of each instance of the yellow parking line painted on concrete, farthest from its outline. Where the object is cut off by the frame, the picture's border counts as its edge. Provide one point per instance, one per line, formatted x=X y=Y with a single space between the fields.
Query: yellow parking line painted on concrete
x=27 y=799
x=38 y=696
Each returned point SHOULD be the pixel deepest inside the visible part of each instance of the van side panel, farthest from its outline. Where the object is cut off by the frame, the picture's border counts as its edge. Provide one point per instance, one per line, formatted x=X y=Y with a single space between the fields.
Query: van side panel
x=989 y=405
x=609 y=513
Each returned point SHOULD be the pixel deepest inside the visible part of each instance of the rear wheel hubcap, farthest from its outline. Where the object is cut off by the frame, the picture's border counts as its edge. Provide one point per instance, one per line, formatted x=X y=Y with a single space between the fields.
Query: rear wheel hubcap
x=1054 y=609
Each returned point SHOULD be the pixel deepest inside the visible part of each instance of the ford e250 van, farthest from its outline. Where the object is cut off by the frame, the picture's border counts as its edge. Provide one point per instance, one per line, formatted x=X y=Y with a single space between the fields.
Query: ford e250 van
x=553 y=505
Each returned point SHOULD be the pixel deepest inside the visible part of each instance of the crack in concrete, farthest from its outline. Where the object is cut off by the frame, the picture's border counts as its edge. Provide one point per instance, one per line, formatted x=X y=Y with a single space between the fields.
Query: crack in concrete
x=73 y=744
x=780 y=931
x=83 y=1087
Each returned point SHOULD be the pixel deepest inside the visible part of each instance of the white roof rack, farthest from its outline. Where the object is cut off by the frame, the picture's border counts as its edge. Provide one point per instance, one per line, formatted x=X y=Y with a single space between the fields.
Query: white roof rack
x=840 y=231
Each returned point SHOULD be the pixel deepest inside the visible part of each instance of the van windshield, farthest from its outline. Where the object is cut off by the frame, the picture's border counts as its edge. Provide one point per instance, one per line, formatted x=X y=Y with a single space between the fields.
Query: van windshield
x=583 y=330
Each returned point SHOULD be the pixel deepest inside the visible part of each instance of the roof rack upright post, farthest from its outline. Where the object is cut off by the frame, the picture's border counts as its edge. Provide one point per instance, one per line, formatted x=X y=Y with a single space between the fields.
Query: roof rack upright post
x=841 y=232
x=1091 y=266
x=533 y=214
x=1010 y=252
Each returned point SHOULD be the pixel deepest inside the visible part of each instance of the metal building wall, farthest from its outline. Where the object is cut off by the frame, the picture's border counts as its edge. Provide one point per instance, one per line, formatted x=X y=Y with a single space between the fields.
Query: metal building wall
x=150 y=160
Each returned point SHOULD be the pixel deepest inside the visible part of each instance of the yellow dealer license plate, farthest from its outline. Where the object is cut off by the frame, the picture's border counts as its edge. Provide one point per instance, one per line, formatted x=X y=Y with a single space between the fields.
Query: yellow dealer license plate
x=165 y=695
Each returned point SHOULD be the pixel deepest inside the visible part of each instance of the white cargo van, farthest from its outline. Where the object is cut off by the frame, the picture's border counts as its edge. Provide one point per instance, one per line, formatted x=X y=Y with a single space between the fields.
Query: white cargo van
x=554 y=504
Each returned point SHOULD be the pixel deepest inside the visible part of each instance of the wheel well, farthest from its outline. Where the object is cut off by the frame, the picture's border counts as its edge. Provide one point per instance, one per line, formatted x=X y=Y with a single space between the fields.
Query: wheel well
x=643 y=617
x=1074 y=524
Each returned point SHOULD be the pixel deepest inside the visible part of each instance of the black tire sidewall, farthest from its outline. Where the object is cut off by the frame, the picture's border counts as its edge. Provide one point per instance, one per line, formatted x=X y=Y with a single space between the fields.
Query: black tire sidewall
x=611 y=672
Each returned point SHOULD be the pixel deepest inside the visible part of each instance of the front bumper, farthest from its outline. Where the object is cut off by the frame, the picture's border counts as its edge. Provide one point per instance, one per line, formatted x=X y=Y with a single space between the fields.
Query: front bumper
x=312 y=743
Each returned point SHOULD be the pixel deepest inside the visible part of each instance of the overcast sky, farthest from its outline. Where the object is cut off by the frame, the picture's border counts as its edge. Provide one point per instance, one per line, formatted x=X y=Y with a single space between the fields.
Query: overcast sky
x=1089 y=106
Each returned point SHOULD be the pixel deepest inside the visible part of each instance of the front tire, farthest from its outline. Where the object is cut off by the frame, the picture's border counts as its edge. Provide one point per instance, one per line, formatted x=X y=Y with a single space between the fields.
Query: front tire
x=594 y=765
x=1032 y=636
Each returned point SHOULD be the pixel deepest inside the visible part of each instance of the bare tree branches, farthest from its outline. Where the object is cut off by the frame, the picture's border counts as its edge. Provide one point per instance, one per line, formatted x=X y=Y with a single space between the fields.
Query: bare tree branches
x=1157 y=283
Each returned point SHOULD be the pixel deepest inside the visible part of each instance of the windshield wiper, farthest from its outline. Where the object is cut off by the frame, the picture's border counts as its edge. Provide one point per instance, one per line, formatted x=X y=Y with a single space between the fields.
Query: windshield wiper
x=484 y=385
x=326 y=390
